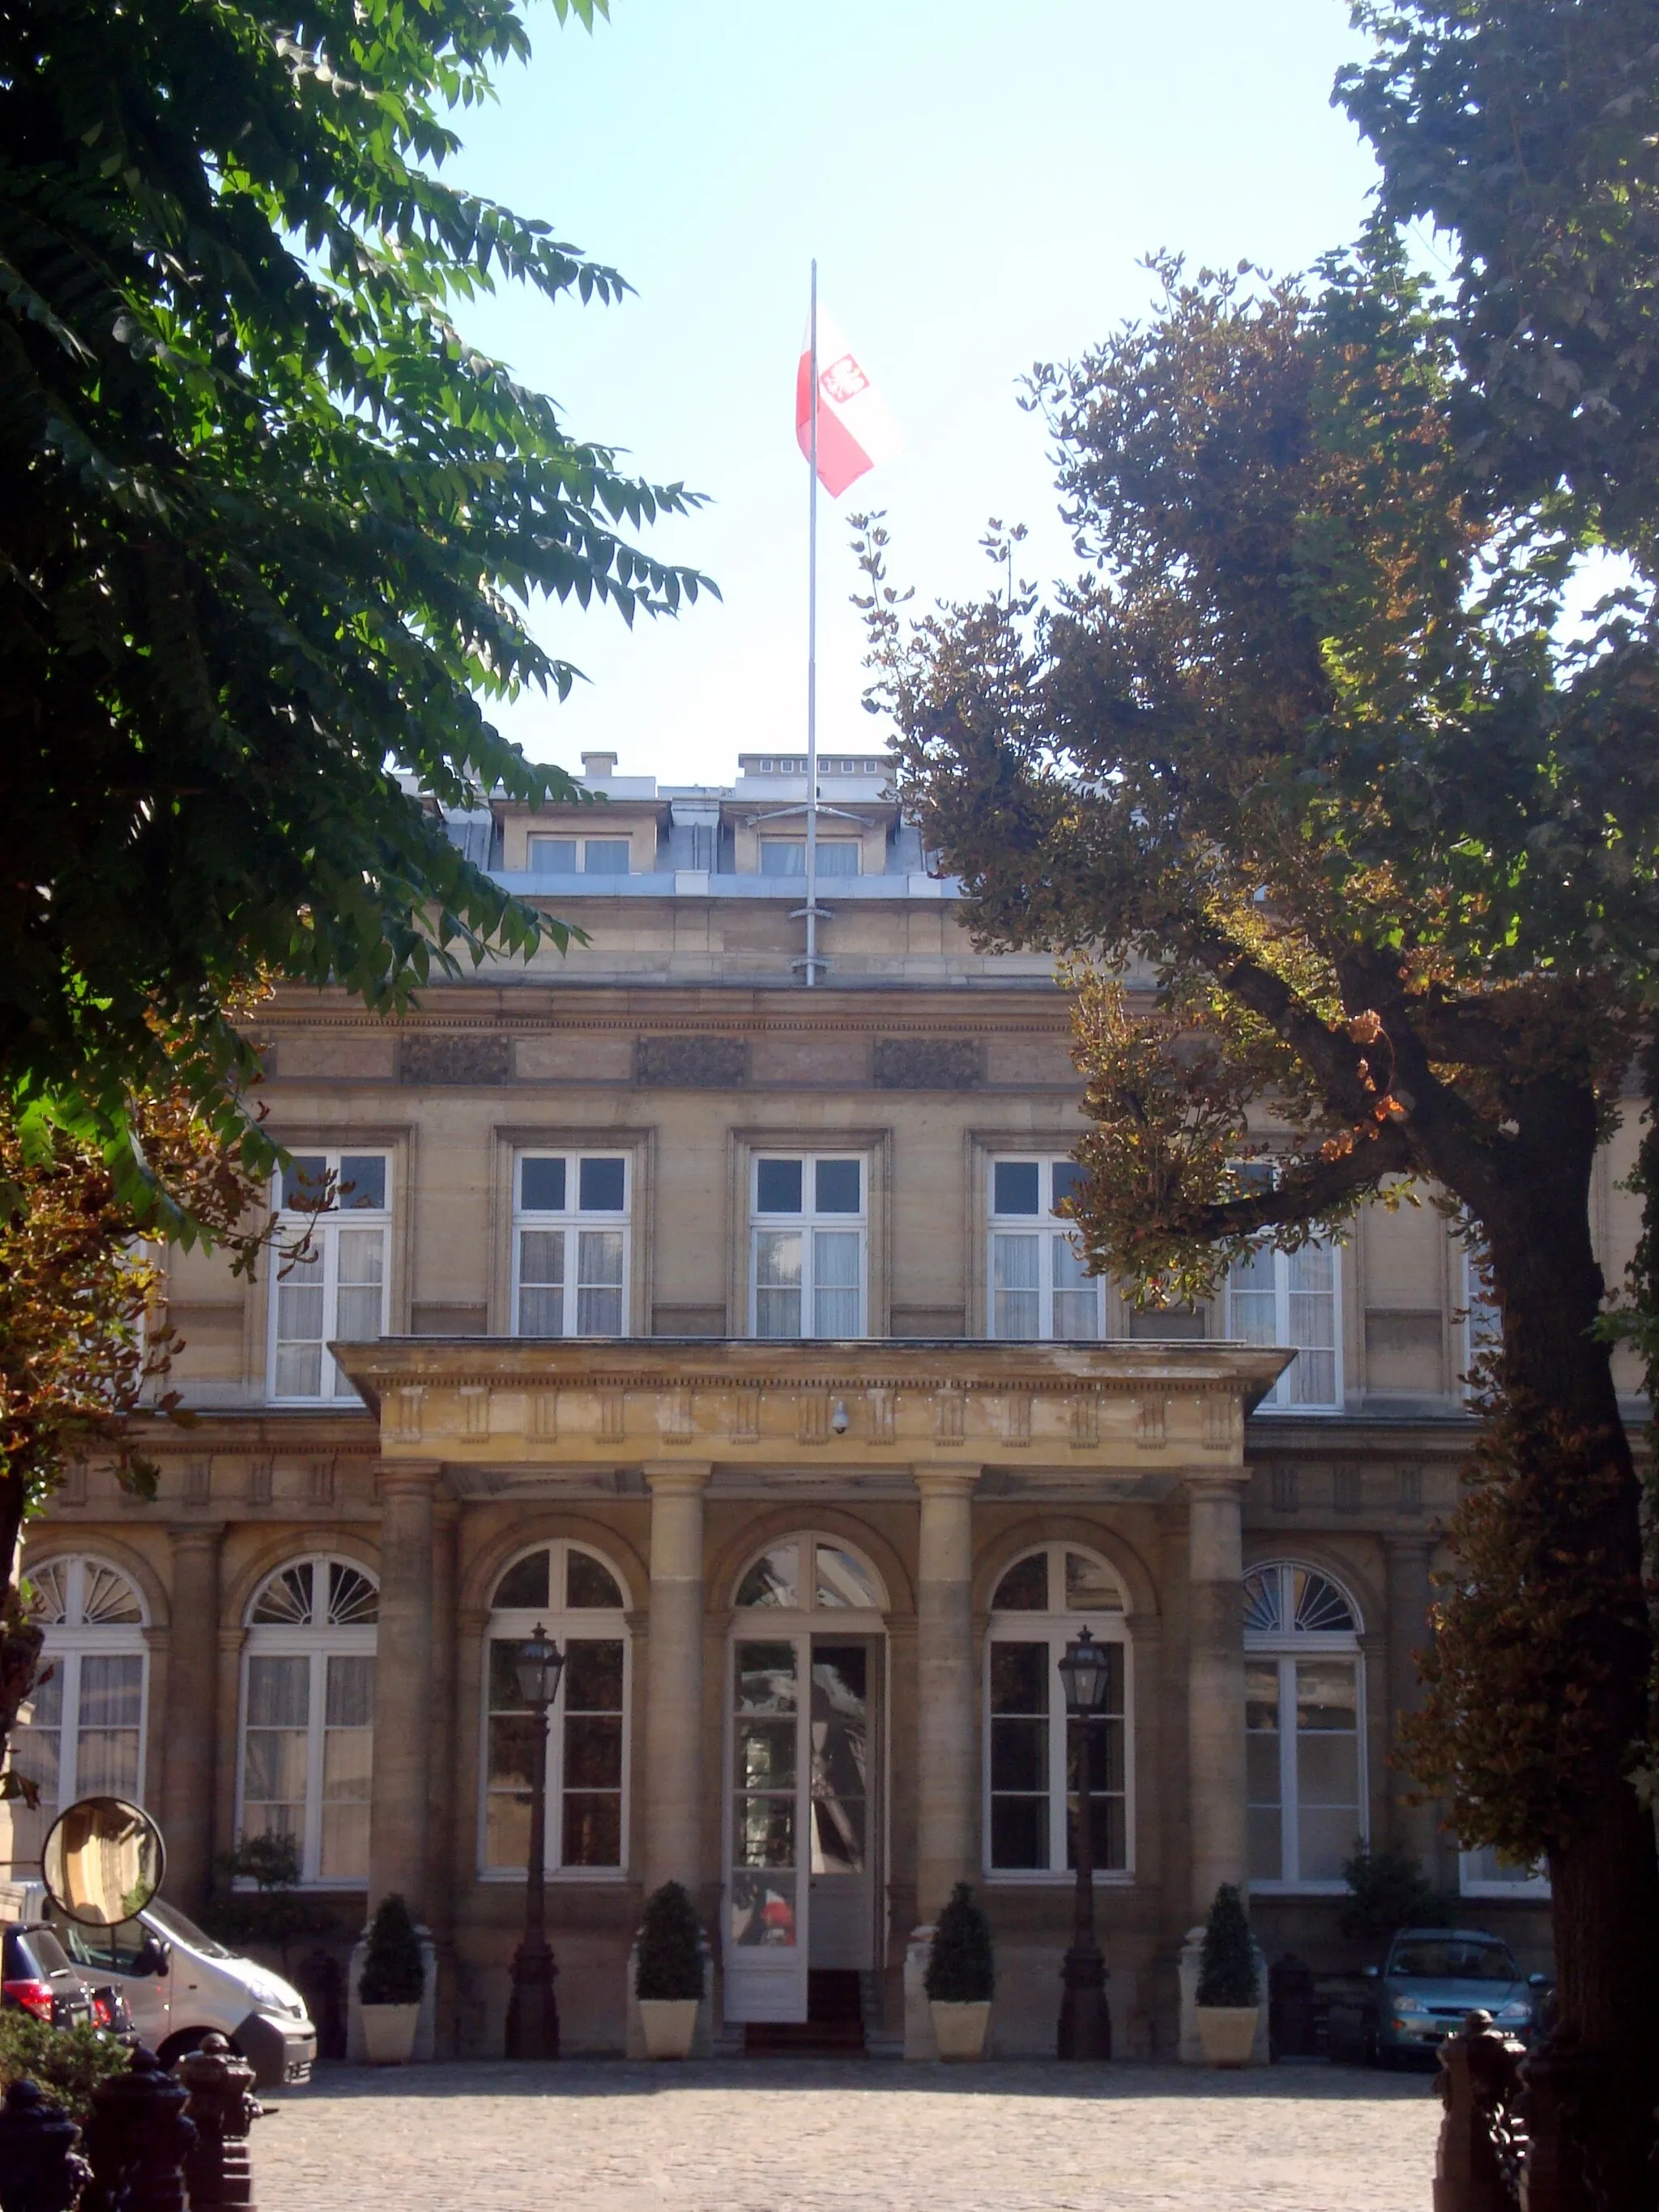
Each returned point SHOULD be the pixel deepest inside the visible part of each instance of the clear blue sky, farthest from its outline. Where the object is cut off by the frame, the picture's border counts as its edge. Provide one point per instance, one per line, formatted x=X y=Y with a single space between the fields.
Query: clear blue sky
x=979 y=183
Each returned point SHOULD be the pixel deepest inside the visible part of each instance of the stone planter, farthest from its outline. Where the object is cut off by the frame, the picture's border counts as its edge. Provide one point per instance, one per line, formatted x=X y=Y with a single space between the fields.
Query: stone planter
x=389 y=2033
x=959 y=2029
x=669 y=2024
x=1227 y=2033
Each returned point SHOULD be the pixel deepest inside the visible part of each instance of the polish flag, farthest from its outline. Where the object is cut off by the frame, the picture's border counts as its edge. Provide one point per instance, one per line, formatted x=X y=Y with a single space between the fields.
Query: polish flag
x=856 y=430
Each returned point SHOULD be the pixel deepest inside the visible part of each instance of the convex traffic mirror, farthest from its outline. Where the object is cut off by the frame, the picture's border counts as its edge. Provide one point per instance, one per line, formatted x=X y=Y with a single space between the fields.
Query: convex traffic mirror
x=103 y=1861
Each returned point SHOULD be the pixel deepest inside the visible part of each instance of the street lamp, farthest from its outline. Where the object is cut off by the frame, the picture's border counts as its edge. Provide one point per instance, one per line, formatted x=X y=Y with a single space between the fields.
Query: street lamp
x=532 y=2013
x=1085 y=2024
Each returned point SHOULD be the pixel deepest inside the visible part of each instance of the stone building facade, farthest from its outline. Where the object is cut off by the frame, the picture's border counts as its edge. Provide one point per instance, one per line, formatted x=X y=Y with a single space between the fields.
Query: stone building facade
x=723 y=1324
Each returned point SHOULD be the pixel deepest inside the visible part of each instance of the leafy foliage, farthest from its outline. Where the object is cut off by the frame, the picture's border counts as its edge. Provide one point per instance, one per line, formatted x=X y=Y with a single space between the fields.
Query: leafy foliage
x=269 y=524
x=393 y=1972
x=277 y=1911
x=670 y=1955
x=68 y=2063
x=1227 y=1971
x=1529 y=132
x=961 y=1969
x=1387 y=1890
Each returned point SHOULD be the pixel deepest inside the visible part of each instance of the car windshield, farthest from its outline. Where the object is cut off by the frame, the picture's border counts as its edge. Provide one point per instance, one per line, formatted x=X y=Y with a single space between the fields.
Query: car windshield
x=177 y=1924
x=1454 y=1958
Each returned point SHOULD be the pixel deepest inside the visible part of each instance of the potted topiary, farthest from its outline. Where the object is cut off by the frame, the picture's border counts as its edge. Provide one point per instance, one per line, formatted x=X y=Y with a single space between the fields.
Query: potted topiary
x=668 y=1972
x=1229 y=1986
x=961 y=1977
x=391 y=1986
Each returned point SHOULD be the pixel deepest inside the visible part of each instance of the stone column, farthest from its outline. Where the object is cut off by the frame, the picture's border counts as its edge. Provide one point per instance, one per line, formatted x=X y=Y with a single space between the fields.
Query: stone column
x=947 y=1755
x=1215 y=1683
x=190 y=1748
x=398 y=1819
x=1412 y=1827
x=673 y=1693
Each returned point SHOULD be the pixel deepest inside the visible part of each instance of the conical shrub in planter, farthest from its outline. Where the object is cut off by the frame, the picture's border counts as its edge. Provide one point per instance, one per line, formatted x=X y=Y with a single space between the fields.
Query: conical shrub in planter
x=668 y=1972
x=390 y=1984
x=1229 y=1986
x=961 y=1977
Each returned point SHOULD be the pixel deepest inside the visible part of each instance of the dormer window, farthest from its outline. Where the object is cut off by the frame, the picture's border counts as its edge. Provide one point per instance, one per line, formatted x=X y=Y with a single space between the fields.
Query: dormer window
x=579 y=856
x=786 y=856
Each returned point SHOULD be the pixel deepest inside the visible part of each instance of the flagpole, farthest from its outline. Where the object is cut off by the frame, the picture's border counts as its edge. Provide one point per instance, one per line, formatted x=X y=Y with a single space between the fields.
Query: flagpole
x=812 y=659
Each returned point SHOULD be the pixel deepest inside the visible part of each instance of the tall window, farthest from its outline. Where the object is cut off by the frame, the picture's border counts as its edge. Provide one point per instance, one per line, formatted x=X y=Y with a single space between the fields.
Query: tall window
x=577 y=1597
x=307 y=1749
x=808 y=1232
x=1037 y=1285
x=570 y=1245
x=1290 y=1298
x=85 y=1736
x=1030 y=1762
x=579 y=856
x=338 y=1290
x=786 y=856
x=1304 y=1738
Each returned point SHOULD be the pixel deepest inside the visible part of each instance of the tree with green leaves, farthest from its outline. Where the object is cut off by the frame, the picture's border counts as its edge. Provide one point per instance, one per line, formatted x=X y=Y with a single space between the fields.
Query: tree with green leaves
x=1298 y=778
x=269 y=528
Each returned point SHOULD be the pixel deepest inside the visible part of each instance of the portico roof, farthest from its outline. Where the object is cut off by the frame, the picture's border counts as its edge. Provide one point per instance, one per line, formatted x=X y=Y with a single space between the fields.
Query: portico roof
x=507 y=1414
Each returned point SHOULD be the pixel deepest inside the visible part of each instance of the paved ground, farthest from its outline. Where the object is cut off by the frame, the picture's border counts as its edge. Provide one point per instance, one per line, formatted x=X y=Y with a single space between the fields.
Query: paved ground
x=821 y=2135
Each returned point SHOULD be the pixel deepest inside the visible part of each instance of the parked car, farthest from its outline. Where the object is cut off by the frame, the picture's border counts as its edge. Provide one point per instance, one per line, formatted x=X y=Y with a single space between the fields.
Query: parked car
x=179 y=1984
x=1431 y=1979
x=36 y=1978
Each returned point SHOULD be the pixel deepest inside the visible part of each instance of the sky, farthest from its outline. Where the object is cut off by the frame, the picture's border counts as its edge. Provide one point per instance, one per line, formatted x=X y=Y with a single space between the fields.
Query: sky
x=979 y=185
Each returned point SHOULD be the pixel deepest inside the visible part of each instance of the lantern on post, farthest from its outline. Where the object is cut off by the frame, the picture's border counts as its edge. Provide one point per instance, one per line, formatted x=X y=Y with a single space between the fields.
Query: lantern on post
x=1086 y=2022
x=532 y=2012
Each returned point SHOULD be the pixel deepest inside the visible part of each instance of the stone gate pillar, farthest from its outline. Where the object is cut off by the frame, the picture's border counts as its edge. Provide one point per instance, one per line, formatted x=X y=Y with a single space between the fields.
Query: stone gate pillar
x=190 y=1748
x=1215 y=1682
x=397 y=1820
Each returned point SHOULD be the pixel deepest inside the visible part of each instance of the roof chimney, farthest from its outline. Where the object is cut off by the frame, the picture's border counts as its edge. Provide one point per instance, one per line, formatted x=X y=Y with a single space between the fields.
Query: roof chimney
x=599 y=767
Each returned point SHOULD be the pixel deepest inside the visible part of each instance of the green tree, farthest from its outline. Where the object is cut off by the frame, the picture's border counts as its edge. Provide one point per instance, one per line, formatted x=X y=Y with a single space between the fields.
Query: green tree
x=269 y=525
x=1297 y=753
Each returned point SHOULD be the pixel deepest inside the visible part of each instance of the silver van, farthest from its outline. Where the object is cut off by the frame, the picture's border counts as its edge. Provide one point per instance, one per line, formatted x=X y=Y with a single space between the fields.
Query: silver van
x=180 y=1985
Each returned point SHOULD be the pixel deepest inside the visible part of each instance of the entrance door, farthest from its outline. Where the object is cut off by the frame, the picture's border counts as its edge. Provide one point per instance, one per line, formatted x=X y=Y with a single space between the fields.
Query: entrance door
x=801 y=1878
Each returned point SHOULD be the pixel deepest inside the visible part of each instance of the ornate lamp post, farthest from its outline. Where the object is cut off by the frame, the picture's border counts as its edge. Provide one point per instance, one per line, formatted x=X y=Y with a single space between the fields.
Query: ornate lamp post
x=532 y=2013
x=1085 y=2025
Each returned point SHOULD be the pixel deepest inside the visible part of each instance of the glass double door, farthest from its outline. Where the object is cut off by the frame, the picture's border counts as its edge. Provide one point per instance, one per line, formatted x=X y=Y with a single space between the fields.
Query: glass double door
x=802 y=1820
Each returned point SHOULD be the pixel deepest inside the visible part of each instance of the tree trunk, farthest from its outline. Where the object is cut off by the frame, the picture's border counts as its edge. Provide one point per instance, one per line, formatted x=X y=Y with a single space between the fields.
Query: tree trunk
x=1604 y=1872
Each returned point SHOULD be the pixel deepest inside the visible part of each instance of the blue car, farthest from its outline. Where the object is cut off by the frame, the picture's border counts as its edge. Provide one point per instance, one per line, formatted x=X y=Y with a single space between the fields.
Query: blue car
x=1430 y=1981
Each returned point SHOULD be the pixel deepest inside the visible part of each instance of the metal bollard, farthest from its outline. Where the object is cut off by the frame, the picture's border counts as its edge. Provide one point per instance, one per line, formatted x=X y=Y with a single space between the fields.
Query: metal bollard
x=1477 y=2160
x=137 y=2141
x=217 y=2173
x=40 y=2170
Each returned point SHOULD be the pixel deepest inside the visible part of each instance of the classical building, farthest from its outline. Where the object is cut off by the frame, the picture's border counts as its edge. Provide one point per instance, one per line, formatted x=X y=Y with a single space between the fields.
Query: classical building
x=723 y=1325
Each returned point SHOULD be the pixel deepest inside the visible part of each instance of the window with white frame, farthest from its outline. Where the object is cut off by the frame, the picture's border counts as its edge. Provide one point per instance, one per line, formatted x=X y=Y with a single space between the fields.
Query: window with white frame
x=1035 y=1283
x=84 y=1733
x=570 y=1245
x=577 y=1596
x=579 y=856
x=1041 y=1601
x=809 y=1218
x=1489 y=1872
x=307 y=1731
x=336 y=1290
x=1303 y=1727
x=1292 y=1298
x=786 y=856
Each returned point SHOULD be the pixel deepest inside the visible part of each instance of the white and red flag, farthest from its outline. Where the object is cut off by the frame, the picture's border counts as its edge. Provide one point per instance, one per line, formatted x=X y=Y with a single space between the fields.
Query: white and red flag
x=856 y=431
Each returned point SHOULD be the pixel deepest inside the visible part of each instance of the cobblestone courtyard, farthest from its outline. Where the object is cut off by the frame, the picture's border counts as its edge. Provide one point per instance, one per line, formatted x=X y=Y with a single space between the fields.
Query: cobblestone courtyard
x=824 y=2136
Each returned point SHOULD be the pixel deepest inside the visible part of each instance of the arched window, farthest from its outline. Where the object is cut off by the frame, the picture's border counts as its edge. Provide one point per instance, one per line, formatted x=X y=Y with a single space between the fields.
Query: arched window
x=1040 y=1603
x=85 y=1735
x=1304 y=1726
x=577 y=1597
x=811 y=1572
x=308 y=1734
